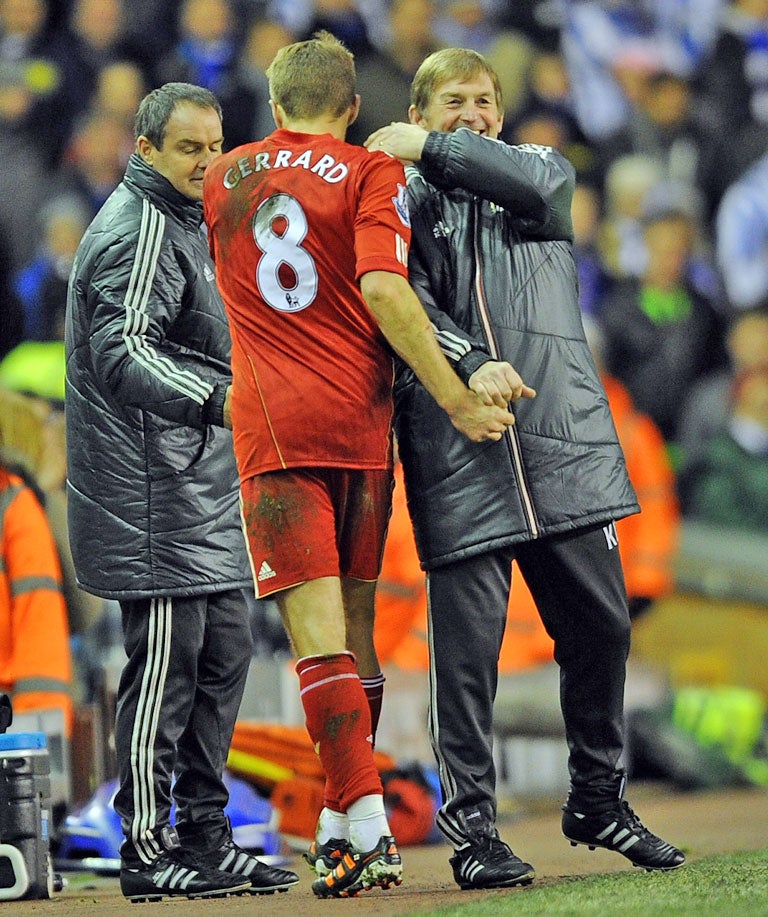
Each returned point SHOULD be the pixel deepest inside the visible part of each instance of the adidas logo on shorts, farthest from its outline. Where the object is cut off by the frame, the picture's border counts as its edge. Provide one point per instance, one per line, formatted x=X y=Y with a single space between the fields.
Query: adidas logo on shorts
x=265 y=571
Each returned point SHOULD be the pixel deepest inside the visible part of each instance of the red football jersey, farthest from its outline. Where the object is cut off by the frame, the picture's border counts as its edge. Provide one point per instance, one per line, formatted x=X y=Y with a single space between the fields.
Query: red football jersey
x=294 y=221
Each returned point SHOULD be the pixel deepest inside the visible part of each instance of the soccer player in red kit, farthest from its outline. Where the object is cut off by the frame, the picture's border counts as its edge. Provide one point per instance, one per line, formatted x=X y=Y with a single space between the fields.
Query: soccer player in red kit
x=310 y=237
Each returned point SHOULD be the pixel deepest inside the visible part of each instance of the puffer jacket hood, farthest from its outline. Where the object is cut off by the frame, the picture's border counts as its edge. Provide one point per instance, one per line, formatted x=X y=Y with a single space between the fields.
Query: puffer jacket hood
x=494 y=268
x=152 y=484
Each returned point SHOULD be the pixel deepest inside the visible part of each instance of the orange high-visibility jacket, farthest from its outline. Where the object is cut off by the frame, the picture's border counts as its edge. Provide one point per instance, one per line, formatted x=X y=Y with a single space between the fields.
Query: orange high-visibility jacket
x=35 y=656
x=648 y=541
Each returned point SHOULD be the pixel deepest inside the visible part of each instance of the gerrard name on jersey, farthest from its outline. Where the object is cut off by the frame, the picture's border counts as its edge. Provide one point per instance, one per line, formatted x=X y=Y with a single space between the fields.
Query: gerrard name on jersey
x=326 y=166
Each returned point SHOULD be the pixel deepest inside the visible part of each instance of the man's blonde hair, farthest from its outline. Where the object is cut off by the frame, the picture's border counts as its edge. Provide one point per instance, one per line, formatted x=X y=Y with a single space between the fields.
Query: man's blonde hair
x=450 y=64
x=310 y=78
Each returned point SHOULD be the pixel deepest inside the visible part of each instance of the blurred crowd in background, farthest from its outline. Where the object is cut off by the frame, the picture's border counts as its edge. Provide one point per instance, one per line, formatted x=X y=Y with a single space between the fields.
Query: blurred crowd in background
x=661 y=106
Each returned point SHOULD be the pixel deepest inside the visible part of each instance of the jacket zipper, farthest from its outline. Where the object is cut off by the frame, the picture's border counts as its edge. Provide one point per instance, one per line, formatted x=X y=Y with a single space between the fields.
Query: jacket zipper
x=511 y=432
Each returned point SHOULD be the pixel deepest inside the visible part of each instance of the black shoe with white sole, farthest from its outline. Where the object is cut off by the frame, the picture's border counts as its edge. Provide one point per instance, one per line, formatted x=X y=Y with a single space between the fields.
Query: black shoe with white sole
x=178 y=873
x=484 y=860
x=621 y=830
x=264 y=879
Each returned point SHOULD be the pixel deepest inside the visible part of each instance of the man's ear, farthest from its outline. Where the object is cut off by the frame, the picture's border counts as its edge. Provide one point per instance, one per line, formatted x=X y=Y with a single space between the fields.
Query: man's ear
x=145 y=148
x=354 y=110
x=414 y=115
x=278 y=115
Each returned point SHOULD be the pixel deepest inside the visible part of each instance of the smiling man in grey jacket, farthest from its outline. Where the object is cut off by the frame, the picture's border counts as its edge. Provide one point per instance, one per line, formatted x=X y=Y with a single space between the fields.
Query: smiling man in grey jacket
x=491 y=261
x=153 y=502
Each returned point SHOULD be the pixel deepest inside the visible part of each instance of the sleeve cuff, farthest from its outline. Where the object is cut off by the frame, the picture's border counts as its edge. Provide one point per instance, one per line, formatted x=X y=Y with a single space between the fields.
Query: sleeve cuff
x=434 y=156
x=469 y=363
x=213 y=409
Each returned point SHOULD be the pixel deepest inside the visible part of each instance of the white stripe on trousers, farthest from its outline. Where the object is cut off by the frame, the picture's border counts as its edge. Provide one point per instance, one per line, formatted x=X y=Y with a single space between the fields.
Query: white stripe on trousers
x=145 y=728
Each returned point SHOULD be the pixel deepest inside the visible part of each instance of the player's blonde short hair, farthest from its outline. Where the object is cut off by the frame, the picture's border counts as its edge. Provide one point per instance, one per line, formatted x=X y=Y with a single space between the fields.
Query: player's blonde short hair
x=310 y=78
x=450 y=64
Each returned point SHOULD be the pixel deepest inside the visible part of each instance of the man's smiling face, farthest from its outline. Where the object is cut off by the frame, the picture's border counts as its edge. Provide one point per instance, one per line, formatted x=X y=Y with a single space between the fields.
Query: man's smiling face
x=463 y=103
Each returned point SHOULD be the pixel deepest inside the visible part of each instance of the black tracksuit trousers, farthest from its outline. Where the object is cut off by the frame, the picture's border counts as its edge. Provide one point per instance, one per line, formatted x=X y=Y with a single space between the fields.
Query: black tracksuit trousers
x=578 y=585
x=178 y=699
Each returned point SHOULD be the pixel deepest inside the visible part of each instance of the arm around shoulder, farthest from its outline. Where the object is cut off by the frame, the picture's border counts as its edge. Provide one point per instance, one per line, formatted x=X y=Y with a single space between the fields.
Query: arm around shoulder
x=534 y=183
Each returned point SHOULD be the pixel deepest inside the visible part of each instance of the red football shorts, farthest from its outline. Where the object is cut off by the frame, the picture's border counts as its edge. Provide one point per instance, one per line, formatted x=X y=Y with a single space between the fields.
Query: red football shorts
x=305 y=523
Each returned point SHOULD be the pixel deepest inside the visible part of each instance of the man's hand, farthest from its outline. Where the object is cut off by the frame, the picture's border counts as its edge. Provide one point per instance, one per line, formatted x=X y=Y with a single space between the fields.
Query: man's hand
x=479 y=421
x=499 y=383
x=401 y=140
x=405 y=324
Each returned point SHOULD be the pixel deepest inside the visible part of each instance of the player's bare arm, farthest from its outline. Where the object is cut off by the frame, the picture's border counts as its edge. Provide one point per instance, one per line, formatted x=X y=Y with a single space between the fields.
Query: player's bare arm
x=405 y=324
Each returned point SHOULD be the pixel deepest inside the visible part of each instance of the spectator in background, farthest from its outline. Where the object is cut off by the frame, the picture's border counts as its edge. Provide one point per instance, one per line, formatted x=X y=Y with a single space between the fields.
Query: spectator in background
x=97 y=36
x=636 y=190
x=25 y=174
x=206 y=53
x=120 y=86
x=467 y=23
x=741 y=237
x=732 y=86
x=648 y=540
x=33 y=375
x=35 y=659
x=592 y=35
x=38 y=55
x=729 y=487
x=152 y=26
x=546 y=86
x=594 y=279
x=708 y=404
x=628 y=181
x=253 y=118
x=661 y=333
x=94 y=162
x=42 y=284
x=358 y=23
x=607 y=44
x=545 y=97
x=539 y=20
x=666 y=125
x=384 y=73
x=205 y=50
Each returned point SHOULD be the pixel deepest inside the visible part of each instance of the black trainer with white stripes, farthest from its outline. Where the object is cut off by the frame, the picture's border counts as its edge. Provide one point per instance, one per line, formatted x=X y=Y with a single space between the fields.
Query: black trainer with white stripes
x=264 y=879
x=179 y=873
x=621 y=830
x=484 y=860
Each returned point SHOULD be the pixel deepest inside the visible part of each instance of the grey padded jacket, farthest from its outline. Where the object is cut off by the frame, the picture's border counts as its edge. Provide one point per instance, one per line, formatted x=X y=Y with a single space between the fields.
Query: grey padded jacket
x=152 y=484
x=492 y=263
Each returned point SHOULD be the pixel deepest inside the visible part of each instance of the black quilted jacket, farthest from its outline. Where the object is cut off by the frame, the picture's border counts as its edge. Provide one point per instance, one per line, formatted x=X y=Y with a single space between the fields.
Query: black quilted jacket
x=152 y=483
x=492 y=264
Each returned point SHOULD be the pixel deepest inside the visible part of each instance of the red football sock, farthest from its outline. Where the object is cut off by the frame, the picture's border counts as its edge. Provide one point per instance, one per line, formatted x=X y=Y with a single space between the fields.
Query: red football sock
x=332 y=796
x=339 y=724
